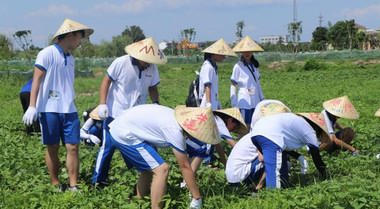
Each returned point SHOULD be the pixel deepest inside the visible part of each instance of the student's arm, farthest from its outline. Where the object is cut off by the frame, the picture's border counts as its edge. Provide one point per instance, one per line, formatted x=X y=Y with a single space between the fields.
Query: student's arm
x=208 y=93
x=154 y=95
x=221 y=153
x=104 y=87
x=38 y=75
x=187 y=173
x=231 y=142
x=318 y=162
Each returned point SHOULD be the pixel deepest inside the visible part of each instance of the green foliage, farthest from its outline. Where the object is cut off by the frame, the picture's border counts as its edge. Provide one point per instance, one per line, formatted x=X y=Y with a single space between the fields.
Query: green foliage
x=353 y=181
x=313 y=64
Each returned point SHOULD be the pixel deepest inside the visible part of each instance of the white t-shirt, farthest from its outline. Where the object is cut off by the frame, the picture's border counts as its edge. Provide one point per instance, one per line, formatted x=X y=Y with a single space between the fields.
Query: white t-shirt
x=240 y=159
x=287 y=130
x=56 y=93
x=152 y=123
x=257 y=114
x=129 y=85
x=209 y=76
x=329 y=124
x=249 y=89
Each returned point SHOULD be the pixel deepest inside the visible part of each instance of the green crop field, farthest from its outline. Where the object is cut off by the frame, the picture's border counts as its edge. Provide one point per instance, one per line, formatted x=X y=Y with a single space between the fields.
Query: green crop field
x=353 y=182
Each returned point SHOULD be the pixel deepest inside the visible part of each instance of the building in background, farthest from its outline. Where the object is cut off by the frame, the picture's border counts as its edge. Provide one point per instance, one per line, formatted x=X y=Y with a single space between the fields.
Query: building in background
x=274 y=39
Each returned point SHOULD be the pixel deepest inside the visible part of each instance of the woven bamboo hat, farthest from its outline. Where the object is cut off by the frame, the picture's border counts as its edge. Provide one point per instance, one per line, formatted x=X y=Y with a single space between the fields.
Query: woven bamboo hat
x=146 y=50
x=220 y=47
x=234 y=113
x=247 y=45
x=272 y=107
x=94 y=114
x=198 y=122
x=318 y=119
x=341 y=107
x=69 y=26
x=377 y=114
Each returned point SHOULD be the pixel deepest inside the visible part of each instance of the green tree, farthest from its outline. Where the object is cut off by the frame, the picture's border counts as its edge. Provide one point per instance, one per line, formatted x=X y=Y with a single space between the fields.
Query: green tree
x=319 y=39
x=239 y=30
x=24 y=39
x=134 y=32
x=6 y=48
x=342 y=35
x=295 y=31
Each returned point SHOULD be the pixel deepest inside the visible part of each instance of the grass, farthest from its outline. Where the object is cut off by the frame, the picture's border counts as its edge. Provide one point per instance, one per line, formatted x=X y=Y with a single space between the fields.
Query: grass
x=353 y=181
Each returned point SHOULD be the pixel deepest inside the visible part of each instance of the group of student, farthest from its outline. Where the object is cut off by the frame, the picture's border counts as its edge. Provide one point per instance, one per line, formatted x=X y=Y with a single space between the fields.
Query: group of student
x=122 y=120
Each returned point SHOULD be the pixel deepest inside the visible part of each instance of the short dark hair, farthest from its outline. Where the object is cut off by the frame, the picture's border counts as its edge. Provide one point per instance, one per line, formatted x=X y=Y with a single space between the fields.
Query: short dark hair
x=62 y=36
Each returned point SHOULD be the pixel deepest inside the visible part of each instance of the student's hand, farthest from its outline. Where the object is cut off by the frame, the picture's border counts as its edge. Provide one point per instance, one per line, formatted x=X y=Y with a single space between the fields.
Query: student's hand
x=103 y=111
x=196 y=203
x=94 y=139
x=30 y=116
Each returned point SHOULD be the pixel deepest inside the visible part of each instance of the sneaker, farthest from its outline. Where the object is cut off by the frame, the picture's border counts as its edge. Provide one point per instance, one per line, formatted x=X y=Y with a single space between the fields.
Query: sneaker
x=101 y=185
x=60 y=187
x=73 y=189
x=355 y=153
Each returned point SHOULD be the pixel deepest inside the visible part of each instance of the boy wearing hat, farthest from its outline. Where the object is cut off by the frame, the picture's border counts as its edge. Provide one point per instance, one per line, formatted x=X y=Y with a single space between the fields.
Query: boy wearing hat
x=138 y=132
x=92 y=130
x=128 y=82
x=245 y=91
x=52 y=97
x=208 y=76
x=334 y=109
x=286 y=132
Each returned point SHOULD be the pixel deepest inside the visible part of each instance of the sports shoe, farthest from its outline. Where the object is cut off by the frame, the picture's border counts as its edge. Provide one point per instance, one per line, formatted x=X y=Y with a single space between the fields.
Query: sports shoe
x=73 y=189
x=355 y=153
x=60 y=187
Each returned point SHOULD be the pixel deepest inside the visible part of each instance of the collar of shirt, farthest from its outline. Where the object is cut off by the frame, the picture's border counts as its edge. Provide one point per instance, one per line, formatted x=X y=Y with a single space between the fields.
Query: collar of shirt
x=135 y=62
x=213 y=64
x=246 y=63
x=60 y=49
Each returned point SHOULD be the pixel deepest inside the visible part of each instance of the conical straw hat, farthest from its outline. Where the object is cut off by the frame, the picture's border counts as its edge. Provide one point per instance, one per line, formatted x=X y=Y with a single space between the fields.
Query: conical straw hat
x=220 y=47
x=147 y=50
x=198 y=122
x=247 y=45
x=377 y=113
x=234 y=113
x=341 y=107
x=94 y=114
x=272 y=107
x=319 y=119
x=69 y=26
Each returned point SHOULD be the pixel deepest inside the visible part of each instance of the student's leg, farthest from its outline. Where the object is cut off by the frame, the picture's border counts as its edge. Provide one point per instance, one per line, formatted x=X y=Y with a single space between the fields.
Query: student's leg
x=196 y=163
x=344 y=138
x=71 y=138
x=143 y=184
x=158 y=188
x=52 y=162
x=284 y=172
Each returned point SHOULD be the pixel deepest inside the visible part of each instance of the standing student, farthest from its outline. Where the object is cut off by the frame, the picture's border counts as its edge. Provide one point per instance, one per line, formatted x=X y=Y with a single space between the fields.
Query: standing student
x=139 y=131
x=24 y=99
x=245 y=91
x=281 y=132
x=52 y=97
x=129 y=80
x=334 y=109
x=208 y=76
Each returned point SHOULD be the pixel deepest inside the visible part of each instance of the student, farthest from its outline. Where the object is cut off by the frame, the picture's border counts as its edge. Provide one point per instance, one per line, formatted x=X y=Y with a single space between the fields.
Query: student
x=208 y=77
x=92 y=130
x=286 y=132
x=245 y=164
x=227 y=120
x=24 y=99
x=52 y=96
x=245 y=91
x=334 y=109
x=139 y=131
x=129 y=80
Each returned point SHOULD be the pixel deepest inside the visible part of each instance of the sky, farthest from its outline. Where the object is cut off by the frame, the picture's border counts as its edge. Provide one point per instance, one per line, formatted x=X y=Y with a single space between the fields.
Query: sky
x=164 y=19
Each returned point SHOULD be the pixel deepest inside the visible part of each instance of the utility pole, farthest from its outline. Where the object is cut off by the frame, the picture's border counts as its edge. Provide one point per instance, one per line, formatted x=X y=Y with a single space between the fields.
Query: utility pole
x=320 y=19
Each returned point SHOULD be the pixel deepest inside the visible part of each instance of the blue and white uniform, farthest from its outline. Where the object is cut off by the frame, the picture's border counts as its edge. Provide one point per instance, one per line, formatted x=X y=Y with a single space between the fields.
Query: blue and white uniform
x=274 y=134
x=55 y=101
x=129 y=88
x=246 y=78
x=209 y=77
x=138 y=131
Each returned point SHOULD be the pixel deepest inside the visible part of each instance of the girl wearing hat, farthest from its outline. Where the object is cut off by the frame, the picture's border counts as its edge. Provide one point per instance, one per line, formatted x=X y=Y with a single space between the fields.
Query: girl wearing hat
x=129 y=81
x=245 y=91
x=92 y=130
x=52 y=96
x=286 y=132
x=334 y=109
x=139 y=131
x=208 y=77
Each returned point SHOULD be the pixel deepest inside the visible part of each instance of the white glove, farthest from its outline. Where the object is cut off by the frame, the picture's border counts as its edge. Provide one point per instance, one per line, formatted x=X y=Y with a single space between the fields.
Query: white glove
x=103 y=111
x=304 y=164
x=196 y=203
x=208 y=104
x=30 y=116
x=233 y=96
x=94 y=139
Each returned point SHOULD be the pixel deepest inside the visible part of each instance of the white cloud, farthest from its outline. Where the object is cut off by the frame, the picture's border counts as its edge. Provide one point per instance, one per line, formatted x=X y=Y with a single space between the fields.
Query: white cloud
x=54 y=10
x=363 y=12
x=129 y=6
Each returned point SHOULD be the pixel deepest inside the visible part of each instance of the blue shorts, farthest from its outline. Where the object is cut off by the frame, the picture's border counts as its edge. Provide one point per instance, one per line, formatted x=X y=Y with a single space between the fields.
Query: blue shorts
x=247 y=115
x=196 y=148
x=143 y=156
x=59 y=126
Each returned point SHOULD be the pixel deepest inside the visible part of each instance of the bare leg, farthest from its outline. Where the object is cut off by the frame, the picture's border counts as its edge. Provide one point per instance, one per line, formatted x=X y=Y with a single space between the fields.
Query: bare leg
x=143 y=184
x=72 y=163
x=196 y=163
x=160 y=176
x=52 y=162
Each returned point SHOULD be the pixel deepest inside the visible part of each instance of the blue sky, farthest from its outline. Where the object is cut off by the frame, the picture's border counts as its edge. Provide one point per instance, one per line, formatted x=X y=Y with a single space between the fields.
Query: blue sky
x=163 y=19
